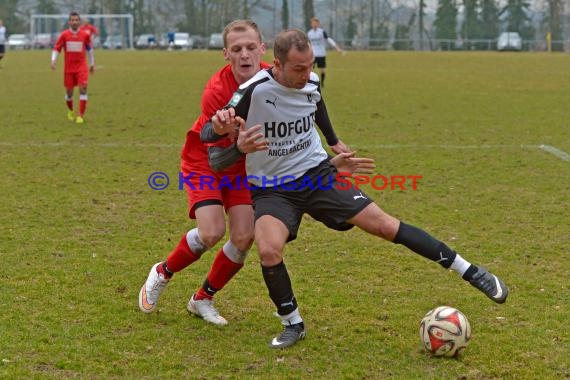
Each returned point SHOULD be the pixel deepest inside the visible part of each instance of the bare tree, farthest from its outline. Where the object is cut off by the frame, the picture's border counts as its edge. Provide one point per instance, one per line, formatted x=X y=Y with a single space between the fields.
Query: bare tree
x=285 y=15
x=308 y=12
x=421 y=16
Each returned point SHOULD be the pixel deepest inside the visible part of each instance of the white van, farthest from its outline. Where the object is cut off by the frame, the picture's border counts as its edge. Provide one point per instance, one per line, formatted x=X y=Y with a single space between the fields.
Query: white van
x=216 y=41
x=182 y=41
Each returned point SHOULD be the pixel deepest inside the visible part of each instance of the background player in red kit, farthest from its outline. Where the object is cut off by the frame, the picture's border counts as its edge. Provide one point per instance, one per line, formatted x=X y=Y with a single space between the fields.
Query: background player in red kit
x=243 y=49
x=90 y=29
x=75 y=43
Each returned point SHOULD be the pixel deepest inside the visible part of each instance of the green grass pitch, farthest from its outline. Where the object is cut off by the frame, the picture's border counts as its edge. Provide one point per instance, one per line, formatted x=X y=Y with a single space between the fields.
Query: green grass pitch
x=80 y=227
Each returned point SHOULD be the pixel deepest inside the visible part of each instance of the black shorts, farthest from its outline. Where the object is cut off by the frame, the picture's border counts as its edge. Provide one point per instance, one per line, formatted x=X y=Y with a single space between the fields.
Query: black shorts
x=327 y=201
x=320 y=62
x=2 y=49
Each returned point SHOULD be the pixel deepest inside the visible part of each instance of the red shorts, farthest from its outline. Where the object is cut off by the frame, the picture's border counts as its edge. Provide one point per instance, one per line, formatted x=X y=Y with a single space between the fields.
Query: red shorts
x=226 y=187
x=80 y=79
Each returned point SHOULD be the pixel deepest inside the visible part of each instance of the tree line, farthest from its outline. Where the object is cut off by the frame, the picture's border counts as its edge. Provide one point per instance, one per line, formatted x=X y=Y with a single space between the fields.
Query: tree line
x=375 y=21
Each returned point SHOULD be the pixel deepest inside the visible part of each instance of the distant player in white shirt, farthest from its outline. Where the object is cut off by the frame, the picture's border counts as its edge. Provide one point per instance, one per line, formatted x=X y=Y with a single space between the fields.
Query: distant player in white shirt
x=2 y=39
x=319 y=41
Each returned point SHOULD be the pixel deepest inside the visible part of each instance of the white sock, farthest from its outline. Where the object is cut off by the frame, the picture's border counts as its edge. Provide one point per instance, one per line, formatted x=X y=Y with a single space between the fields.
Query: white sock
x=460 y=265
x=292 y=318
x=196 y=244
x=233 y=253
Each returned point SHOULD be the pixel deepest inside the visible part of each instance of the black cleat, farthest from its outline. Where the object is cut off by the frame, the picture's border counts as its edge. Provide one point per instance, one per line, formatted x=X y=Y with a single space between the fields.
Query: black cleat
x=490 y=284
x=291 y=335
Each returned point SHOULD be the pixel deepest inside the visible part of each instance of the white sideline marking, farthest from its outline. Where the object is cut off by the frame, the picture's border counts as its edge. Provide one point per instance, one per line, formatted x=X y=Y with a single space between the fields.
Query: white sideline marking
x=547 y=148
x=96 y=145
x=439 y=146
x=555 y=151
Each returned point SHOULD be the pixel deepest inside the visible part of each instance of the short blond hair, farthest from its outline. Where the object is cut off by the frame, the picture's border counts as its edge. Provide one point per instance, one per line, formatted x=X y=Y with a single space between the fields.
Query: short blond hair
x=240 y=26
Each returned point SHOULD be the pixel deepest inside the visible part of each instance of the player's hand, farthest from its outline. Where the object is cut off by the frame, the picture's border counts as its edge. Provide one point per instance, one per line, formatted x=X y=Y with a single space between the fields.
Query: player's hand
x=92 y=69
x=224 y=121
x=349 y=163
x=53 y=65
x=250 y=140
x=340 y=147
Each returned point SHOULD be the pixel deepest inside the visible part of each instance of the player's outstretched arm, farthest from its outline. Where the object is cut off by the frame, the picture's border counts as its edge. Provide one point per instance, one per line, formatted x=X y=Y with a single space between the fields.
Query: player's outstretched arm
x=349 y=163
x=334 y=44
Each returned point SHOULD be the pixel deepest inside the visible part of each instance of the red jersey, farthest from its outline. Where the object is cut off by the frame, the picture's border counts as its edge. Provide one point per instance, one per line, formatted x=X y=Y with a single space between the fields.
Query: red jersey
x=90 y=30
x=75 y=45
x=217 y=93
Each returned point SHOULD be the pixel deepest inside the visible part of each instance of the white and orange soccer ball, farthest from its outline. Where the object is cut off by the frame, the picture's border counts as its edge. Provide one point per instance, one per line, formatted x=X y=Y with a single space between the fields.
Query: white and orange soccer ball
x=445 y=331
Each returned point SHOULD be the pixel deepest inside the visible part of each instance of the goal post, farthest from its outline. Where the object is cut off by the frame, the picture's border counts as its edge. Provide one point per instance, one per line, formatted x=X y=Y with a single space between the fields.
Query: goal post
x=117 y=29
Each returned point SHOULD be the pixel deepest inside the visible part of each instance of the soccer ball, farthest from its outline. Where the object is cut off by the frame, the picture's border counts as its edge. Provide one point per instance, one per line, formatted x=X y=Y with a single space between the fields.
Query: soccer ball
x=445 y=331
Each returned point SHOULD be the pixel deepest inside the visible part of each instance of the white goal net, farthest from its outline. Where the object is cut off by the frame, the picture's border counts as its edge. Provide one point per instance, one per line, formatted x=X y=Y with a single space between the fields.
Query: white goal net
x=115 y=30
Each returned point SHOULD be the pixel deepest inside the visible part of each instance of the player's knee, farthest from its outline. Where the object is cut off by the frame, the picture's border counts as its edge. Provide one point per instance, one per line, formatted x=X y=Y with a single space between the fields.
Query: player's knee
x=212 y=235
x=269 y=254
x=243 y=240
x=387 y=228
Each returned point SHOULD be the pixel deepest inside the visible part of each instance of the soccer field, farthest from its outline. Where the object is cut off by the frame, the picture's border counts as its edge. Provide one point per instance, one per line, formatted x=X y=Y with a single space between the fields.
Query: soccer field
x=80 y=227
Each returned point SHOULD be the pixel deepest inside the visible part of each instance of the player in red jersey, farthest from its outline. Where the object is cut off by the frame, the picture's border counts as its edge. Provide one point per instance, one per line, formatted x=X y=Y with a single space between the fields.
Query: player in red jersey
x=75 y=43
x=243 y=49
x=90 y=29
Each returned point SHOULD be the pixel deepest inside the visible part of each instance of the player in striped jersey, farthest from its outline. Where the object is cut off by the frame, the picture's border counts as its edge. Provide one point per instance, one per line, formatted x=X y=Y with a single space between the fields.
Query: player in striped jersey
x=75 y=42
x=279 y=106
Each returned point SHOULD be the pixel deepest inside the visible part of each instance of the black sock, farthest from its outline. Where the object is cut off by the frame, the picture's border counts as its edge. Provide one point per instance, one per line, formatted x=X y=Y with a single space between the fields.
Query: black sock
x=280 y=289
x=470 y=272
x=168 y=272
x=322 y=79
x=424 y=244
x=208 y=288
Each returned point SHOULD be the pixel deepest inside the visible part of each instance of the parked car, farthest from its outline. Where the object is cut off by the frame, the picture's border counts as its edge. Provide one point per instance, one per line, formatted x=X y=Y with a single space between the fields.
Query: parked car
x=182 y=41
x=199 y=42
x=145 y=41
x=43 y=41
x=216 y=41
x=509 y=41
x=19 y=42
x=113 y=42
